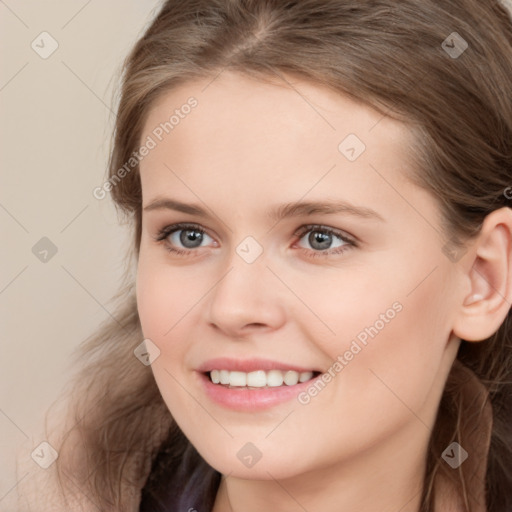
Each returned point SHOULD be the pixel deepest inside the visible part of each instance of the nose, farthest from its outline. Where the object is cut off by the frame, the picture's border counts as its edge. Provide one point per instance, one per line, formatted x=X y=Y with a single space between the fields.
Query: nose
x=247 y=298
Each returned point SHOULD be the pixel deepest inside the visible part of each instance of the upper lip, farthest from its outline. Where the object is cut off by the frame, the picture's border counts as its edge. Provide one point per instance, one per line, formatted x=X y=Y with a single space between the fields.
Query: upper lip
x=249 y=365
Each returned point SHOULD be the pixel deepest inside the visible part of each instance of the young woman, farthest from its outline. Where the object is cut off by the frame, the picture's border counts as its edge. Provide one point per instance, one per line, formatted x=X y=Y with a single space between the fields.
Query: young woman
x=320 y=192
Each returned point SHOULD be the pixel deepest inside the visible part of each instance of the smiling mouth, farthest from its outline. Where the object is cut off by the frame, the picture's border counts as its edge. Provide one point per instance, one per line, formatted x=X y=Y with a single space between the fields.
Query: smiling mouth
x=259 y=379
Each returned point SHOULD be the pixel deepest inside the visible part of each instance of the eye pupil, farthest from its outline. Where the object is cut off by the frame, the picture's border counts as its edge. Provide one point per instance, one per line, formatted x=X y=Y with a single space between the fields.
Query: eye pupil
x=190 y=235
x=323 y=239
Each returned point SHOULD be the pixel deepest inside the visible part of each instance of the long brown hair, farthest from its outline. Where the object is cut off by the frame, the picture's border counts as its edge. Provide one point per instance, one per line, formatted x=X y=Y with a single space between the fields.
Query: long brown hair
x=388 y=55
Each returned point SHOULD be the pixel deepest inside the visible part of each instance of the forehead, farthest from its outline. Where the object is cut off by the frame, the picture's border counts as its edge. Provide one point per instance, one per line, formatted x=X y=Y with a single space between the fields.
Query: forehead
x=232 y=104
x=287 y=136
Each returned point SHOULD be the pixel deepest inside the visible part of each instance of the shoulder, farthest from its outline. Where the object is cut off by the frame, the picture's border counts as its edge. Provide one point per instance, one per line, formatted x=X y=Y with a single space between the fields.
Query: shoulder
x=188 y=482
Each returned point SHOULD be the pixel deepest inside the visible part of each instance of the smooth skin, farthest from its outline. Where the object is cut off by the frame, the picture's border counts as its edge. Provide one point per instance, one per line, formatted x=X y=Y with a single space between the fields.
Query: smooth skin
x=247 y=147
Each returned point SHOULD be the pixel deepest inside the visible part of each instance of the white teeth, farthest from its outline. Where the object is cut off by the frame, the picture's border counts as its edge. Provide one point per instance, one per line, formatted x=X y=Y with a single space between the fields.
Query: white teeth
x=275 y=378
x=256 y=379
x=304 y=376
x=291 y=378
x=238 y=379
x=259 y=378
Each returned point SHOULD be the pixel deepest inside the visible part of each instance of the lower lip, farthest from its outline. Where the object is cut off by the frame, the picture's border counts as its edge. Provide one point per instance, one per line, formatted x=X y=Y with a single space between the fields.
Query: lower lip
x=242 y=399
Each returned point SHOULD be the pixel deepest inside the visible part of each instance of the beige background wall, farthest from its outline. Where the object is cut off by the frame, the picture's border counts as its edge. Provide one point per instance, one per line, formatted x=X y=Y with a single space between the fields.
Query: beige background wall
x=55 y=135
x=55 y=132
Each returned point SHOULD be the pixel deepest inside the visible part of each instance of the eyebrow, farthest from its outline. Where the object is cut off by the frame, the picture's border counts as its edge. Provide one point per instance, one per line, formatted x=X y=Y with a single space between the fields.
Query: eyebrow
x=277 y=213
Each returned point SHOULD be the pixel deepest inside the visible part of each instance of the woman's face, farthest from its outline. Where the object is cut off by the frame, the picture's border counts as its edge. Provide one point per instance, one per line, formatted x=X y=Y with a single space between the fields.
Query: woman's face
x=305 y=249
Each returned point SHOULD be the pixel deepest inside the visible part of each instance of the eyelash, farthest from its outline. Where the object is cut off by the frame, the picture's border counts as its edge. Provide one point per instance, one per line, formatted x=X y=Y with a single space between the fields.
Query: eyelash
x=168 y=230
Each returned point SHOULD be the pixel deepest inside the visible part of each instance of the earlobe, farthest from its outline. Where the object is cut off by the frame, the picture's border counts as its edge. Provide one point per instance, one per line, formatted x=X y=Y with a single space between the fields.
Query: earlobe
x=488 y=302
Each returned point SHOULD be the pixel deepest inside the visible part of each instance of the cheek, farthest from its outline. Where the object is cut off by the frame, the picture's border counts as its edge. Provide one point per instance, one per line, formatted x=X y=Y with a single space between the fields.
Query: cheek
x=168 y=302
x=153 y=299
x=401 y=360
x=164 y=302
x=165 y=296
x=391 y=332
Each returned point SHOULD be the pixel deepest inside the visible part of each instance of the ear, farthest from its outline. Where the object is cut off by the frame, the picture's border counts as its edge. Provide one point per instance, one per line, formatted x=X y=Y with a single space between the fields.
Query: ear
x=488 y=302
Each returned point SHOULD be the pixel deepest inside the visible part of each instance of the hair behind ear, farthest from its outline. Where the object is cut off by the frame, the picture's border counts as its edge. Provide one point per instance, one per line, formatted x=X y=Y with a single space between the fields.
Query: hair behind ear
x=491 y=361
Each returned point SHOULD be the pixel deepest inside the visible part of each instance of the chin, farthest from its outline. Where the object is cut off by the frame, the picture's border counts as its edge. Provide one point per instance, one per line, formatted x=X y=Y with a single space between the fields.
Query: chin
x=266 y=468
